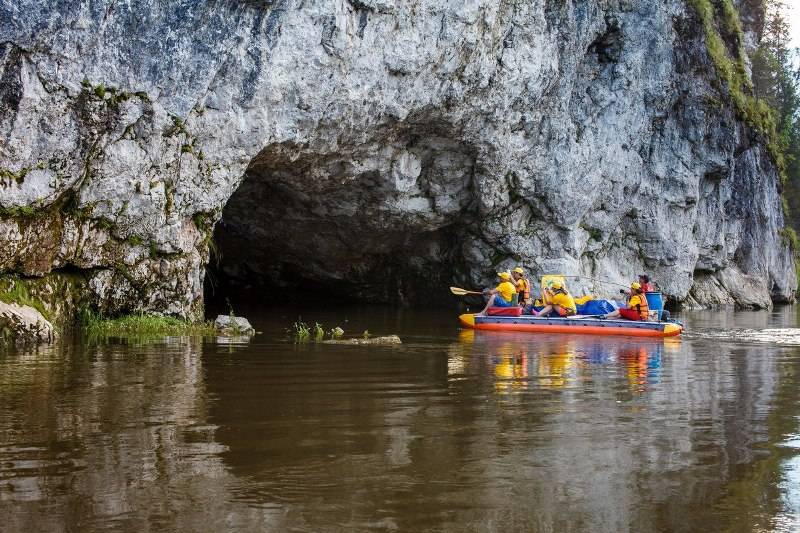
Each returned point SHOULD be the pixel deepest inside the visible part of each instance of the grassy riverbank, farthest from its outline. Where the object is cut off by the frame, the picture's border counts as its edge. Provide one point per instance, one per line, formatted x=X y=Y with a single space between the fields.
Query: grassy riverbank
x=141 y=325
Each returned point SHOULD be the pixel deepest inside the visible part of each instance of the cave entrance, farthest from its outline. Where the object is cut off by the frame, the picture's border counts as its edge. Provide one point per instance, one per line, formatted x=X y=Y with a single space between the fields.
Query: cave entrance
x=379 y=223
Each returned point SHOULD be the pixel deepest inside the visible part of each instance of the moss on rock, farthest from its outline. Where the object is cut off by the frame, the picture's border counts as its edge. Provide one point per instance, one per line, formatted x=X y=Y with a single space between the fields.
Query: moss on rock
x=56 y=296
x=732 y=71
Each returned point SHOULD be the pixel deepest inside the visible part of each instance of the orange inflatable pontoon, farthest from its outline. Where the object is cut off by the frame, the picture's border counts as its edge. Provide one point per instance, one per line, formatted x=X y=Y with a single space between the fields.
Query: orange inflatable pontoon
x=583 y=325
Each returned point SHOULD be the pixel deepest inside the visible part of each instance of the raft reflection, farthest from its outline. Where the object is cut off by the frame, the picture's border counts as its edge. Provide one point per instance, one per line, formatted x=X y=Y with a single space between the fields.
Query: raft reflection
x=521 y=361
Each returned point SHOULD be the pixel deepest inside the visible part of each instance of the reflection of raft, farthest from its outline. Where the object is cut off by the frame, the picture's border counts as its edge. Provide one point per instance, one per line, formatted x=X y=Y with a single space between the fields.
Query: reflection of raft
x=588 y=326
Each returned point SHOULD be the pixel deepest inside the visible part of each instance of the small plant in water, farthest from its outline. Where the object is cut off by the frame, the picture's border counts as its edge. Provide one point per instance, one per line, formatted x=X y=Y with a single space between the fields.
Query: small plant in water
x=366 y=334
x=300 y=332
x=232 y=319
x=319 y=333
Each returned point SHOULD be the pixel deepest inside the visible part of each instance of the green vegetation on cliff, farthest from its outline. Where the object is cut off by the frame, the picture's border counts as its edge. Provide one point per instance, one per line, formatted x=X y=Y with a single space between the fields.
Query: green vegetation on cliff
x=776 y=80
x=770 y=101
x=725 y=43
x=15 y=292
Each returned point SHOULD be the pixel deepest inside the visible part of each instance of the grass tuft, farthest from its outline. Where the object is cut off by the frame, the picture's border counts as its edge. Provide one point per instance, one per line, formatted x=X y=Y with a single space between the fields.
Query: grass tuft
x=301 y=332
x=319 y=333
x=138 y=325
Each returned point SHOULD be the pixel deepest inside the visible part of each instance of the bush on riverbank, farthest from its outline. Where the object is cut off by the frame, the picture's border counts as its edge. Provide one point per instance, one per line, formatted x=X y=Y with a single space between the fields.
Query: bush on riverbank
x=95 y=324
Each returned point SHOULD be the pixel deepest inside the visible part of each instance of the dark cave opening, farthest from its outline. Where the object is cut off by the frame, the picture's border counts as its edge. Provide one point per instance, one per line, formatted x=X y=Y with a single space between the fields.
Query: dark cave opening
x=377 y=223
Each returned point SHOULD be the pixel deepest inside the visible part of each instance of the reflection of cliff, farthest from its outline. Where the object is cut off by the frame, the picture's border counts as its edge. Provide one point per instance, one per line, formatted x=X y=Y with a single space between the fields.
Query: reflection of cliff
x=115 y=436
x=332 y=428
x=491 y=432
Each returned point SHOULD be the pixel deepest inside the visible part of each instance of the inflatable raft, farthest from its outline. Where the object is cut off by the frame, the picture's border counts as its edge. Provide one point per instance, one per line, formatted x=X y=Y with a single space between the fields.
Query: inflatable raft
x=588 y=325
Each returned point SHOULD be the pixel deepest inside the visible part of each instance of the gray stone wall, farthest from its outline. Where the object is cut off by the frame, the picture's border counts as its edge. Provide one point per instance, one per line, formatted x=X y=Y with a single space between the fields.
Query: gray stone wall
x=389 y=146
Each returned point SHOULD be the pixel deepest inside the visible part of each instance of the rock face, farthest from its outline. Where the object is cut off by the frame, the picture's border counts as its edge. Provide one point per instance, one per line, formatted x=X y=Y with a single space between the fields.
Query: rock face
x=376 y=149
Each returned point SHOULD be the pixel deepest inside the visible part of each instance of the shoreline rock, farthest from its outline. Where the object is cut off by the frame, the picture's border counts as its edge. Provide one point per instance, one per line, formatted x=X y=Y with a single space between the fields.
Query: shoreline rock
x=237 y=326
x=24 y=324
x=372 y=341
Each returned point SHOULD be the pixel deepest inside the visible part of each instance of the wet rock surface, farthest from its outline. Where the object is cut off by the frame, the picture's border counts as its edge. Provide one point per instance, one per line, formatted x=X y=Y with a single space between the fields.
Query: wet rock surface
x=24 y=324
x=370 y=341
x=233 y=325
x=377 y=150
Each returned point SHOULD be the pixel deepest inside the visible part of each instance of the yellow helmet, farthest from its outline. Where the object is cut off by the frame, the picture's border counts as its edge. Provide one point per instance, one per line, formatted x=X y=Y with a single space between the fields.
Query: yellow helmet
x=519 y=270
x=635 y=286
x=556 y=286
x=504 y=275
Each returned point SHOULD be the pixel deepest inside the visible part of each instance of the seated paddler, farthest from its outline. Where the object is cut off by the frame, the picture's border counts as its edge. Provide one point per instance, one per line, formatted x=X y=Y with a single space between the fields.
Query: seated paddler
x=502 y=295
x=637 y=308
x=561 y=302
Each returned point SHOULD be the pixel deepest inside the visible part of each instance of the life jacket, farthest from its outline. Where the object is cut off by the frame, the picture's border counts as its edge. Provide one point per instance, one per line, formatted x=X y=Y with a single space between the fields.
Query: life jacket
x=524 y=290
x=644 y=309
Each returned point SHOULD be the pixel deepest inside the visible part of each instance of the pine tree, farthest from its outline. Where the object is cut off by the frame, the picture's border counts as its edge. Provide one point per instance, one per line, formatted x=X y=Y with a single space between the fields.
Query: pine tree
x=776 y=78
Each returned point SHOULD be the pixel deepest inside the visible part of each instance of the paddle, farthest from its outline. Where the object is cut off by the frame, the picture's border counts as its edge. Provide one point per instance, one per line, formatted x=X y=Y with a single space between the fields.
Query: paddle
x=462 y=292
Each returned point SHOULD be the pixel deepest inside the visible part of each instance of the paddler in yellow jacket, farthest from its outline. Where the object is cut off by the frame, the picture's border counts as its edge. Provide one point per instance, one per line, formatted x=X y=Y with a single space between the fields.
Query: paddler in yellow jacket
x=523 y=286
x=637 y=306
x=561 y=302
x=502 y=295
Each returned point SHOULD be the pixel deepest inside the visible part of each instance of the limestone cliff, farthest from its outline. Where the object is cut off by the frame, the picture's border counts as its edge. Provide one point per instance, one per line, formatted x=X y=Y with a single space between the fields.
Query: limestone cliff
x=377 y=148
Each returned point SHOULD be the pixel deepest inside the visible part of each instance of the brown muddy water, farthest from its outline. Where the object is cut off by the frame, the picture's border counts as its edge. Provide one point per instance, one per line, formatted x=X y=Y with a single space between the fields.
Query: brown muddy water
x=452 y=431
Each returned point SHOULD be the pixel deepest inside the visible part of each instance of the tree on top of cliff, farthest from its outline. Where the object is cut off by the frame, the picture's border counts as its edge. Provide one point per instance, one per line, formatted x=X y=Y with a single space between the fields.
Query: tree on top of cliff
x=776 y=80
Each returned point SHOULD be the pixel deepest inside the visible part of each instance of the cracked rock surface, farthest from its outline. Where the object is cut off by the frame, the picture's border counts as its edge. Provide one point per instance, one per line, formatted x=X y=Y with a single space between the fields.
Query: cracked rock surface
x=381 y=150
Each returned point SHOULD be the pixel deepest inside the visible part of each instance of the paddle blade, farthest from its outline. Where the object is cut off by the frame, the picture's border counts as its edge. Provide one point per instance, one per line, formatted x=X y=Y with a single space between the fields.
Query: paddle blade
x=462 y=292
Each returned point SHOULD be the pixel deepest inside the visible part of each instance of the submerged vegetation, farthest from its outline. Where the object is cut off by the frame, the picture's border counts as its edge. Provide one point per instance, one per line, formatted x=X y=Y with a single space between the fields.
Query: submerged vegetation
x=300 y=332
x=137 y=325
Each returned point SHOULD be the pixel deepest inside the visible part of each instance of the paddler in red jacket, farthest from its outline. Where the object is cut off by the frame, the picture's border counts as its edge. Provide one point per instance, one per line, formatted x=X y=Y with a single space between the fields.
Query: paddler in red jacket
x=644 y=281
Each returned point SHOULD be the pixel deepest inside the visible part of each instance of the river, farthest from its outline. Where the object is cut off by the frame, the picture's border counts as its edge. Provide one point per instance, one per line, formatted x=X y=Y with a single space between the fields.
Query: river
x=451 y=431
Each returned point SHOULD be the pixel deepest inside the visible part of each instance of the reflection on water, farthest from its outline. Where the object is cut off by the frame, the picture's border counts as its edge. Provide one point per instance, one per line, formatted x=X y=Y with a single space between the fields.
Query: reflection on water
x=522 y=362
x=454 y=431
